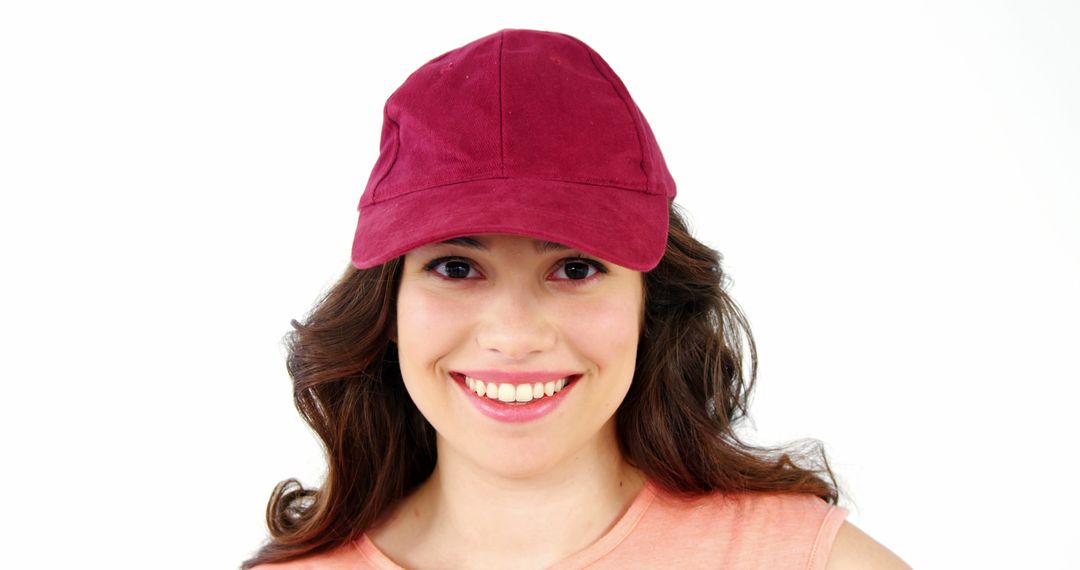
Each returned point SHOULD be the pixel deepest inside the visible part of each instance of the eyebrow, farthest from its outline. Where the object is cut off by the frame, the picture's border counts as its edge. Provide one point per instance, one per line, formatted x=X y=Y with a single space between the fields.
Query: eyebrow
x=541 y=246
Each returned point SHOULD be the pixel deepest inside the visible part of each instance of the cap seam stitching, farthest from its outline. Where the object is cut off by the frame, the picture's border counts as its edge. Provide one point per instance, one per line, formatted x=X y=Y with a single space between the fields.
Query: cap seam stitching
x=619 y=185
x=376 y=192
x=626 y=105
x=502 y=119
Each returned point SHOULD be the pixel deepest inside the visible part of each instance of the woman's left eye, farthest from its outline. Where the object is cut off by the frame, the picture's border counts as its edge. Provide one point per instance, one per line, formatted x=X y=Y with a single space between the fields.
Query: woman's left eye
x=579 y=269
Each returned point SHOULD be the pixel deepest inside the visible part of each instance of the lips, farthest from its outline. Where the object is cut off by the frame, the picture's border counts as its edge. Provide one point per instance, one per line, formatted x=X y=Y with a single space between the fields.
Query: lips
x=508 y=409
x=516 y=376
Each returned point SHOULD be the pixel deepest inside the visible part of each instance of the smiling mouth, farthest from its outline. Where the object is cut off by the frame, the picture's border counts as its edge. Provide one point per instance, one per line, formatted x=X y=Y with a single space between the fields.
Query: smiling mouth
x=515 y=393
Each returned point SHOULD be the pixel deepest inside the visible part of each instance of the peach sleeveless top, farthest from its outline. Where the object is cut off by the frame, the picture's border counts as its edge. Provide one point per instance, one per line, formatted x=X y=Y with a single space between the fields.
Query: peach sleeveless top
x=660 y=530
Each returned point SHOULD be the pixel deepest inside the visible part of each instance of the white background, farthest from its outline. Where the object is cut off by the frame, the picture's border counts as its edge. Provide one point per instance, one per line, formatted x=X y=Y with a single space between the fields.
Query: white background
x=894 y=187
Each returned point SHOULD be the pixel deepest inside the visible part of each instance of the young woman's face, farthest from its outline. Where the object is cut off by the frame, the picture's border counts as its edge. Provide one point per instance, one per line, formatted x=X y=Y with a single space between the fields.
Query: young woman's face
x=518 y=313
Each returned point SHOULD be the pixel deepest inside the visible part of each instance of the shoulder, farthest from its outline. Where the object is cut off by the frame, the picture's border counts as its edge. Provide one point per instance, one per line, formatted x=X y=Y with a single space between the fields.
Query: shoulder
x=734 y=530
x=782 y=514
x=854 y=549
x=344 y=557
x=796 y=526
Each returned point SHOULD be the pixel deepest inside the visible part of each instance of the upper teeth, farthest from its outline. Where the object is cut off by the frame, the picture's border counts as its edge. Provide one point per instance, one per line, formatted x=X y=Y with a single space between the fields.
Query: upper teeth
x=514 y=392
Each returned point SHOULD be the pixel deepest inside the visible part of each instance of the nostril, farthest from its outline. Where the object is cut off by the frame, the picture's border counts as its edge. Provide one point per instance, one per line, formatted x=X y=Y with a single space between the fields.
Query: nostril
x=516 y=338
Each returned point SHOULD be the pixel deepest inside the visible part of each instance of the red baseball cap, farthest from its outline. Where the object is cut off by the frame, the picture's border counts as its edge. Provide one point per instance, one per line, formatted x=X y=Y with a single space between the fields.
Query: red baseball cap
x=521 y=132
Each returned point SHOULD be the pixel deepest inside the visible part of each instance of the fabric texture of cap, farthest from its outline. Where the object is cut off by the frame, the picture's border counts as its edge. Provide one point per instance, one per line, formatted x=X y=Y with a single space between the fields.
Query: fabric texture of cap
x=522 y=132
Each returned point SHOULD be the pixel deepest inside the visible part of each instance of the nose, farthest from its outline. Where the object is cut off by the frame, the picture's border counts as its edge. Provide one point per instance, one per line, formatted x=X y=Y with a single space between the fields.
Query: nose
x=516 y=324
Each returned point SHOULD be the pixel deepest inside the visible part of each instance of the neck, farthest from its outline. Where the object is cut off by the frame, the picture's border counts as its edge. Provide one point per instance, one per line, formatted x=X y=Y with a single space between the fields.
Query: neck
x=472 y=517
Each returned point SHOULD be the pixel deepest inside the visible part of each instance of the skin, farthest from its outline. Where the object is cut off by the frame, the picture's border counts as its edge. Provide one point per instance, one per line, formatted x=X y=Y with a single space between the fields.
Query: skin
x=514 y=495
x=853 y=549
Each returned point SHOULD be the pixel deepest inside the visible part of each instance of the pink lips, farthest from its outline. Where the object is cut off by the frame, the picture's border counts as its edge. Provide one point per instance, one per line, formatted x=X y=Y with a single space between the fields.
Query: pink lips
x=511 y=377
x=518 y=412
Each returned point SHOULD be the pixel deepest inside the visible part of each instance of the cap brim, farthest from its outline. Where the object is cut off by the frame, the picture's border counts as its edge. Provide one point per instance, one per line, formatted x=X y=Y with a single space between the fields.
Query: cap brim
x=625 y=227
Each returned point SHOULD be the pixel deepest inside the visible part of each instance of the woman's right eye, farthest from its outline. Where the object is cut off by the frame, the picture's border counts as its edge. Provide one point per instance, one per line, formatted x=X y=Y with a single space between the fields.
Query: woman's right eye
x=452 y=268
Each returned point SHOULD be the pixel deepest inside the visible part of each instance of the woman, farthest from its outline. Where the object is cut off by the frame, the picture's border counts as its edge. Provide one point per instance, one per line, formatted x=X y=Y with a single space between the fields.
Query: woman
x=530 y=362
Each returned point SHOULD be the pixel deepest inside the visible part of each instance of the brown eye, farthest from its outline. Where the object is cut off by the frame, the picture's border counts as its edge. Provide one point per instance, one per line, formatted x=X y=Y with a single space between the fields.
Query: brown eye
x=452 y=268
x=579 y=270
x=457 y=269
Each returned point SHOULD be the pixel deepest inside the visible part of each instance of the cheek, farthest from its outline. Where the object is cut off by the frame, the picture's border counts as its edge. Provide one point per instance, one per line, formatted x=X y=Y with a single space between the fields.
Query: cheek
x=606 y=331
x=427 y=326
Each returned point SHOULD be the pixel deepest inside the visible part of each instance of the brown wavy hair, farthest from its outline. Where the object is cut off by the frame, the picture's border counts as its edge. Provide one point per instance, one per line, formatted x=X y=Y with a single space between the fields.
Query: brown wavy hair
x=695 y=371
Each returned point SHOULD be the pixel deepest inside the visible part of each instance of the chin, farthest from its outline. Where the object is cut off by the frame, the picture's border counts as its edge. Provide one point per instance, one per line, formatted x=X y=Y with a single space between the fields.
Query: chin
x=517 y=459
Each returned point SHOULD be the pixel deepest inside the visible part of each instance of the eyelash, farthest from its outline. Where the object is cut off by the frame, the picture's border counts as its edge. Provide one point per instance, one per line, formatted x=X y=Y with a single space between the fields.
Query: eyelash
x=600 y=268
